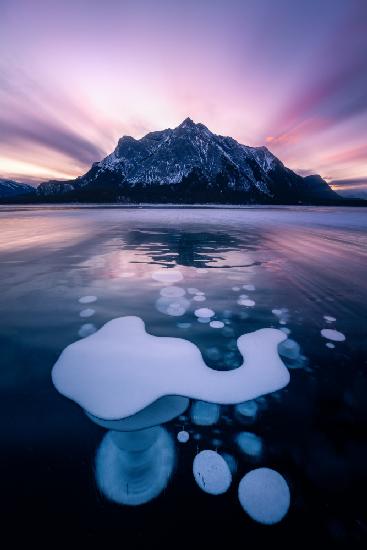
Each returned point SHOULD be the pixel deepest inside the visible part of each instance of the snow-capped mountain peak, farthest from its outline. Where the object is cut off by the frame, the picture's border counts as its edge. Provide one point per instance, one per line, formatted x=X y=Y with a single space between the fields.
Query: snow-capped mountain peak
x=189 y=160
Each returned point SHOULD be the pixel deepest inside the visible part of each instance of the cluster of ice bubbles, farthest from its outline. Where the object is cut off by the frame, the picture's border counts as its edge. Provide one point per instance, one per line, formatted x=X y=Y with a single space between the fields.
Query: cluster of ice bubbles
x=263 y=493
x=87 y=328
x=331 y=334
x=176 y=301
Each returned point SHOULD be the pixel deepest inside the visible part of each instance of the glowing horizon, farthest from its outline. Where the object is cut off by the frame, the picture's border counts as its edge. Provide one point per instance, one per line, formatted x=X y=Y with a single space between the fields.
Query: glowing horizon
x=76 y=76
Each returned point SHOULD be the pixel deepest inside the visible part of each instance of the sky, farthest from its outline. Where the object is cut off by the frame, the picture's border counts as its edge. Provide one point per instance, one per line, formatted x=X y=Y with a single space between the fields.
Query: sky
x=78 y=74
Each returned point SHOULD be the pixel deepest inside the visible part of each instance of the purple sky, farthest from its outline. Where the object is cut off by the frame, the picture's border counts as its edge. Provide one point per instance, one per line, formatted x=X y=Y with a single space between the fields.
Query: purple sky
x=76 y=75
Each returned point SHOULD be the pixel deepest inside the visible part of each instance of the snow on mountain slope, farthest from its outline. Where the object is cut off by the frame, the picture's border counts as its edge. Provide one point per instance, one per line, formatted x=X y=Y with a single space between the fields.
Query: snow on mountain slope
x=10 y=188
x=191 y=162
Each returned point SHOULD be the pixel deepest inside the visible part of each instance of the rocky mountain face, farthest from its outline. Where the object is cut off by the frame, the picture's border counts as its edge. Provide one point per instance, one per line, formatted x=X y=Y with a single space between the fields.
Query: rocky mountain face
x=10 y=188
x=190 y=164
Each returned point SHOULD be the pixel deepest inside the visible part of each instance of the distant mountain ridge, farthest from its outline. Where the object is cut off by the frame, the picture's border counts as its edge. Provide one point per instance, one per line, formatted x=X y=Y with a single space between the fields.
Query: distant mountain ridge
x=189 y=164
x=11 y=188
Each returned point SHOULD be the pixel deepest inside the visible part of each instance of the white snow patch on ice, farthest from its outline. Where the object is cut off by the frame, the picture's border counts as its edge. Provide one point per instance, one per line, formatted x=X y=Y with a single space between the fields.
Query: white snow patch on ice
x=121 y=369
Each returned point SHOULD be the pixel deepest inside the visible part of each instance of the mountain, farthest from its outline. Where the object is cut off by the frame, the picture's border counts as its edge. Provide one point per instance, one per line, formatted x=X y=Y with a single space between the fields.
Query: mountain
x=10 y=188
x=190 y=164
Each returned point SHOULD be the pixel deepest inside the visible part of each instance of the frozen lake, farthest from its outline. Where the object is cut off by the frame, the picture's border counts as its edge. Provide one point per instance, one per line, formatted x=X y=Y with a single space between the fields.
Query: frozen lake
x=66 y=271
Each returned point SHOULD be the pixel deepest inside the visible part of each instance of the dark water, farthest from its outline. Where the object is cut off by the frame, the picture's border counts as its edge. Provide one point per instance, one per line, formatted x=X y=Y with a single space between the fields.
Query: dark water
x=305 y=262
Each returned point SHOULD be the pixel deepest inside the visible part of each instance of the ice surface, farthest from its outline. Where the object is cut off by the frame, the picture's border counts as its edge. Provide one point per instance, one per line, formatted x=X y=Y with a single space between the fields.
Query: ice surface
x=87 y=299
x=249 y=443
x=167 y=276
x=183 y=436
x=332 y=334
x=121 y=369
x=211 y=472
x=264 y=495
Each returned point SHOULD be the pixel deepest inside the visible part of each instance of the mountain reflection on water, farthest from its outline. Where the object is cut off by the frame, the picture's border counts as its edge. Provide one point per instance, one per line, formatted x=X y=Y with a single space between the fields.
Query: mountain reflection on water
x=195 y=249
x=298 y=270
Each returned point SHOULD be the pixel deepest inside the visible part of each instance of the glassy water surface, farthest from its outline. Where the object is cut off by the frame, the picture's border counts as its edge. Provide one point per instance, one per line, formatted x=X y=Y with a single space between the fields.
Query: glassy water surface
x=67 y=271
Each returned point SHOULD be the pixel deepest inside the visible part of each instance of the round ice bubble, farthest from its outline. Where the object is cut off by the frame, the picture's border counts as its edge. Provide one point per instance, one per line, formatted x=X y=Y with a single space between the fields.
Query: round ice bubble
x=264 y=495
x=88 y=312
x=249 y=287
x=168 y=276
x=332 y=334
x=204 y=312
x=199 y=298
x=183 y=436
x=176 y=307
x=192 y=290
x=86 y=330
x=329 y=319
x=290 y=349
x=172 y=292
x=330 y=345
x=205 y=414
x=184 y=325
x=216 y=324
x=211 y=472
x=249 y=443
x=246 y=302
x=87 y=299
x=247 y=409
